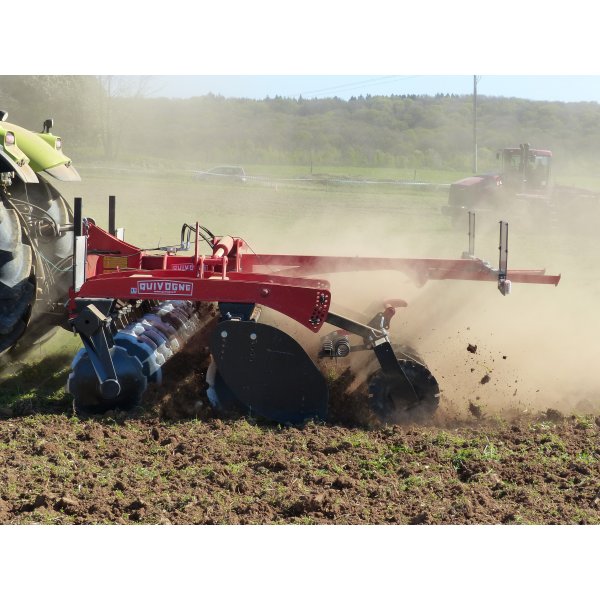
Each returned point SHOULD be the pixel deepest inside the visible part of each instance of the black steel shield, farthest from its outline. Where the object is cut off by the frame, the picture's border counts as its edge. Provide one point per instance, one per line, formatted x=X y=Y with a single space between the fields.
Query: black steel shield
x=269 y=372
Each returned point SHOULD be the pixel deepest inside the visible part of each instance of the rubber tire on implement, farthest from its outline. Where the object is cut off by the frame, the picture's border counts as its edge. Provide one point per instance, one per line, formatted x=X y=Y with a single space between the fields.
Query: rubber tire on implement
x=269 y=372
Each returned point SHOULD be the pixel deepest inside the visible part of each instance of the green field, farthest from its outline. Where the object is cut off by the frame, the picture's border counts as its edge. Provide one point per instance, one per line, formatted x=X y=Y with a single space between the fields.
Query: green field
x=153 y=207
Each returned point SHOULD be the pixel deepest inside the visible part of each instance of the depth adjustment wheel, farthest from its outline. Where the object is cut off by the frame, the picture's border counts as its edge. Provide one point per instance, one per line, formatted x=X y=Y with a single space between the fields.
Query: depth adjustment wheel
x=389 y=402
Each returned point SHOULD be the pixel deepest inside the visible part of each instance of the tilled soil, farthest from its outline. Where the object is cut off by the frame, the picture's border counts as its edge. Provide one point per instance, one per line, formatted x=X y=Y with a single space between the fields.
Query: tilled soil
x=57 y=469
x=175 y=462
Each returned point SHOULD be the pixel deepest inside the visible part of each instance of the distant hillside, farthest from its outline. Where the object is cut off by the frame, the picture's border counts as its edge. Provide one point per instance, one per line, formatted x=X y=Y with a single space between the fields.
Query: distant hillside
x=100 y=120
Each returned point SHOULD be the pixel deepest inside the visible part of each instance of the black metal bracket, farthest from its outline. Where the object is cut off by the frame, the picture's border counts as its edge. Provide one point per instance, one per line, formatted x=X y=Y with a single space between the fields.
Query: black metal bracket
x=366 y=332
x=375 y=339
x=93 y=325
x=238 y=311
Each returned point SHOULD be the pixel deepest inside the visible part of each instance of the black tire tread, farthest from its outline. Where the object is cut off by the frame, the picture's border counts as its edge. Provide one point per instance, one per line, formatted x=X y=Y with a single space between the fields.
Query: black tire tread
x=17 y=279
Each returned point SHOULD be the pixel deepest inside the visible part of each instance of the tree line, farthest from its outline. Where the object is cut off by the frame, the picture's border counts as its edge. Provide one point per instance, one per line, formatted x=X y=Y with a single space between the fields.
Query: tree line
x=113 y=119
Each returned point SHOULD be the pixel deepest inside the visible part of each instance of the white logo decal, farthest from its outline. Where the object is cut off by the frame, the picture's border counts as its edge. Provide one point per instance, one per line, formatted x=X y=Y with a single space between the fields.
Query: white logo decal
x=165 y=288
x=183 y=267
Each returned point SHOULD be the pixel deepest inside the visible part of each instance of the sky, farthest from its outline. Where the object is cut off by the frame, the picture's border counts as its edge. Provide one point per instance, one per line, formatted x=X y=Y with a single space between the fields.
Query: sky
x=532 y=87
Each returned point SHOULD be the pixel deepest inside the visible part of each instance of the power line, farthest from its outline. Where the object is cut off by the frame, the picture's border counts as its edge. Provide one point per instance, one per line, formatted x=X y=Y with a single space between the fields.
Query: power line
x=359 y=84
x=353 y=83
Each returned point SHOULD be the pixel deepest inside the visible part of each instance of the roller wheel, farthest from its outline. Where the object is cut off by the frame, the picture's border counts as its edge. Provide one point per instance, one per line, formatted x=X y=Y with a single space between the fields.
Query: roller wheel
x=17 y=279
x=391 y=406
x=84 y=387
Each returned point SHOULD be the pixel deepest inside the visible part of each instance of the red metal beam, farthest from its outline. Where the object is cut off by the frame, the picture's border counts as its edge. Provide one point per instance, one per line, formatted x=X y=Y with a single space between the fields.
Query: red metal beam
x=305 y=301
x=420 y=269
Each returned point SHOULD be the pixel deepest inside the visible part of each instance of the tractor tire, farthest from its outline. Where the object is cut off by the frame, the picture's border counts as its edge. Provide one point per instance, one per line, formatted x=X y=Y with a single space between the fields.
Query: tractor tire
x=17 y=277
x=57 y=252
x=46 y=198
x=25 y=264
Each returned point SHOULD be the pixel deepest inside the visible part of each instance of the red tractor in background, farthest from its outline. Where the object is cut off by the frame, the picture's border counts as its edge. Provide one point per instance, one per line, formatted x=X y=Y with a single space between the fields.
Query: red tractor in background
x=521 y=189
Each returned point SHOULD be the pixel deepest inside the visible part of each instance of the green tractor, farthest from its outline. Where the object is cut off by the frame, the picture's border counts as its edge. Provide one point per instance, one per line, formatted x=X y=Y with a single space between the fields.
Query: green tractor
x=36 y=234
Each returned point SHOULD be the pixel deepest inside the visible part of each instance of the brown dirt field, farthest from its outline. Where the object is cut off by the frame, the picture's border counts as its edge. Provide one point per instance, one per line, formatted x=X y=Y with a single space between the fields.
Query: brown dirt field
x=175 y=462
x=218 y=472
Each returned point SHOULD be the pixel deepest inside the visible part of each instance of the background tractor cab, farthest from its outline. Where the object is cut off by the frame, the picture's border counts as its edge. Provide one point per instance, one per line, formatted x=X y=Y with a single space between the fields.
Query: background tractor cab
x=520 y=187
x=524 y=169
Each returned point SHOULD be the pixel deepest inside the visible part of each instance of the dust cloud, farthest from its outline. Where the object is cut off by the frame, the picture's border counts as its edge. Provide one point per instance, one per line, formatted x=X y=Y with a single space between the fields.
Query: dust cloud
x=536 y=348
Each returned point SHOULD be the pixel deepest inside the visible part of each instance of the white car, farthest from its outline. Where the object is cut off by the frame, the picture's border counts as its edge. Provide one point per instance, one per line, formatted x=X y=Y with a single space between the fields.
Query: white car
x=222 y=173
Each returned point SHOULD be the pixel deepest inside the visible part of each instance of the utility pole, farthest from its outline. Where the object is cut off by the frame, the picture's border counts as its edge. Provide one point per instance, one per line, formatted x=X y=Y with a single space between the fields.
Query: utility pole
x=475 y=81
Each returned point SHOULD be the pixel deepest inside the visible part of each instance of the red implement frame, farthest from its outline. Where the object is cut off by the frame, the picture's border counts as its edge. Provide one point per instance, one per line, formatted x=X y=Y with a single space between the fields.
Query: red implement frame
x=116 y=269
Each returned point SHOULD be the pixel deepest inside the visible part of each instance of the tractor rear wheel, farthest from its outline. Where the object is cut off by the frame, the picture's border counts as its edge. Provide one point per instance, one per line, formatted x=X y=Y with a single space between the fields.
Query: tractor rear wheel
x=36 y=242
x=17 y=277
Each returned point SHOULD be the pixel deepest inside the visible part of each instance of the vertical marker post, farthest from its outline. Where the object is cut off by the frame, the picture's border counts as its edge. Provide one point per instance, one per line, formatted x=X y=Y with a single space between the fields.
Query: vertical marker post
x=504 y=285
x=471 y=233
x=79 y=246
x=112 y=227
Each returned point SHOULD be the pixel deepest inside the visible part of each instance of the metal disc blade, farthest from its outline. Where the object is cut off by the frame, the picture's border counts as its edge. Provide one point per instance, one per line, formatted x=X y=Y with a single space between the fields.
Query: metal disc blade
x=393 y=403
